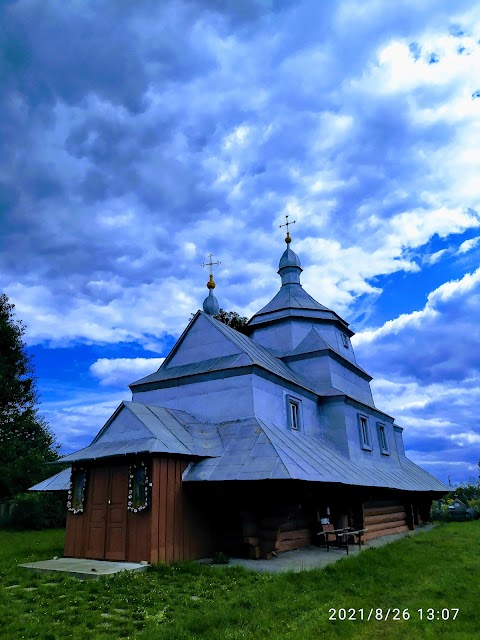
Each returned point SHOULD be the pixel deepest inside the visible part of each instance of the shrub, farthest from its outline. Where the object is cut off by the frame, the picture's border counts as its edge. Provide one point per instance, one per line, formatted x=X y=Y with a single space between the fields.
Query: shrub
x=39 y=510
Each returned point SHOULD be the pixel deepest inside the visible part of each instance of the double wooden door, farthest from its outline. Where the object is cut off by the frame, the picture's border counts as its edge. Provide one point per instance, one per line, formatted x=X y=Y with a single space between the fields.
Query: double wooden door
x=106 y=537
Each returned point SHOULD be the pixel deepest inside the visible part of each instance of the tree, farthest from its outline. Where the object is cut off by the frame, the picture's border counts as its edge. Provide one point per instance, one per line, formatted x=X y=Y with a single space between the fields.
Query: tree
x=232 y=319
x=26 y=442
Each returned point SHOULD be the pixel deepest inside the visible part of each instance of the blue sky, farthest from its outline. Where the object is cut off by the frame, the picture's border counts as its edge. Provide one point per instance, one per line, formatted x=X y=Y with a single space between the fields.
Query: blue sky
x=136 y=138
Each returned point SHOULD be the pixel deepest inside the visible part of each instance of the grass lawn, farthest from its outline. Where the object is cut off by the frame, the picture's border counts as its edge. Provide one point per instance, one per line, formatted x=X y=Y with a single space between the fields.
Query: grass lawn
x=439 y=569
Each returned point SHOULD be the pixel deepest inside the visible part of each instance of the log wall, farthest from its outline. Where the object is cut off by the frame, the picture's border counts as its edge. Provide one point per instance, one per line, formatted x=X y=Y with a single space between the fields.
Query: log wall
x=384 y=519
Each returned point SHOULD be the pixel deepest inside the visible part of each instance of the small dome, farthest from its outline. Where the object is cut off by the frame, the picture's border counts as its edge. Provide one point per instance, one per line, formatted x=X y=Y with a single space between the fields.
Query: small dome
x=210 y=304
x=289 y=259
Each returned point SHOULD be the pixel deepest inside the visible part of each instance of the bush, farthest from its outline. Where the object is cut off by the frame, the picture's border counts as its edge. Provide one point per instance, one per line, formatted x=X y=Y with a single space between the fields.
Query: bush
x=39 y=510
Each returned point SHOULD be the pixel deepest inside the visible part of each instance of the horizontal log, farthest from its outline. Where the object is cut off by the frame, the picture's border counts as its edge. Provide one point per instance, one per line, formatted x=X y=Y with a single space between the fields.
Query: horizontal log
x=387 y=517
x=294 y=535
x=386 y=525
x=372 y=504
x=370 y=535
x=290 y=545
x=377 y=511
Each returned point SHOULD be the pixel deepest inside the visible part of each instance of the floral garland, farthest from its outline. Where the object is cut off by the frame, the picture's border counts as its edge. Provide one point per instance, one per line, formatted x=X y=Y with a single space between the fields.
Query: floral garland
x=72 y=505
x=132 y=469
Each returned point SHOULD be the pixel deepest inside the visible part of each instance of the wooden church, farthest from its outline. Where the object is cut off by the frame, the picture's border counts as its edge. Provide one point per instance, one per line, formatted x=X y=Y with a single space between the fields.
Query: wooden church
x=242 y=444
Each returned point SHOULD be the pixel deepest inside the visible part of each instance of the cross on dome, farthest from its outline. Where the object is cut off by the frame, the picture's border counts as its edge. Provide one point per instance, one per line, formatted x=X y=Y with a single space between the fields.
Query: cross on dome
x=288 y=238
x=210 y=304
x=210 y=283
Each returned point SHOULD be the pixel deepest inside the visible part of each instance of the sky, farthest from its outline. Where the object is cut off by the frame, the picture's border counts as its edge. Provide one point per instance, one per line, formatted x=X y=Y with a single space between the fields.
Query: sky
x=138 y=137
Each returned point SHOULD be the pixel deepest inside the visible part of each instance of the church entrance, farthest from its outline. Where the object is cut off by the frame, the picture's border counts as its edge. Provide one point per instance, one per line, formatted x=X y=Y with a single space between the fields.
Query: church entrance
x=107 y=513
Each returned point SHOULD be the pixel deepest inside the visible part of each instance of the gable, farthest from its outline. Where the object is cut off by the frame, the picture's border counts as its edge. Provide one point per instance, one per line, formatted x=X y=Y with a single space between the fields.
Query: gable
x=123 y=425
x=202 y=341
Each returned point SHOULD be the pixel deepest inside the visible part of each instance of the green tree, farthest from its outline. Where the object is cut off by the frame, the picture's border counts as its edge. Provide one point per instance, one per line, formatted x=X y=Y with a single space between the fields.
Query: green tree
x=26 y=442
x=232 y=319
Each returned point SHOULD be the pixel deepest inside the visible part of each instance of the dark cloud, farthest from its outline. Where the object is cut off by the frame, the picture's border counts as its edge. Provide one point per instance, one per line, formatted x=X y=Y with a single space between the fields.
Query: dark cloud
x=136 y=137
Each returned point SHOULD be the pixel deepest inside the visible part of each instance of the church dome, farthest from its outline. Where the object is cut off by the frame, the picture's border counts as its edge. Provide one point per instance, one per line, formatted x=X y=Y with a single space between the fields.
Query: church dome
x=289 y=259
x=210 y=304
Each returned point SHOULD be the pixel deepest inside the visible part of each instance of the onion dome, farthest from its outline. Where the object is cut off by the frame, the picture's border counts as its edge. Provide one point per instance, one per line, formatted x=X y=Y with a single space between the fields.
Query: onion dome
x=210 y=304
x=289 y=267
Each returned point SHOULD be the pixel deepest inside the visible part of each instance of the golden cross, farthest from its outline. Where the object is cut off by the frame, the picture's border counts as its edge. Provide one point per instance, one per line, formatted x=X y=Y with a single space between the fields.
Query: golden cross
x=286 y=224
x=210 y=264
x=287 y=239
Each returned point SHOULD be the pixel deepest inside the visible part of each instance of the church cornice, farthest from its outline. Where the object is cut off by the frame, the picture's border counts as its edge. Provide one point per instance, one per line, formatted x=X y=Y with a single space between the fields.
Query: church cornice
x=358 y=404
x=329 y=352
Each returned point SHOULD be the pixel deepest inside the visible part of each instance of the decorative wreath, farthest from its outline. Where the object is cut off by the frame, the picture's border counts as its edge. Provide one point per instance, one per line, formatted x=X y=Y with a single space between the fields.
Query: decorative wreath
x=76 y=506
x=133 y=504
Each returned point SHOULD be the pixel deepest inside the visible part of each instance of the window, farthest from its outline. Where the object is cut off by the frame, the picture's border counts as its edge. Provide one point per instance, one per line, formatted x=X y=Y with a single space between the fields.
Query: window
x=294 y=413
x=382 y=439
x=138 y=487
x=76 y=493
x=345 y=340
x=364 y=429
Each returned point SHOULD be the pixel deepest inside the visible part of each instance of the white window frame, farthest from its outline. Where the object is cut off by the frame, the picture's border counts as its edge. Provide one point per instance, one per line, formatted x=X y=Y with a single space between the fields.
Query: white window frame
x=294 y=413
x=364 y=432
x=382 y=439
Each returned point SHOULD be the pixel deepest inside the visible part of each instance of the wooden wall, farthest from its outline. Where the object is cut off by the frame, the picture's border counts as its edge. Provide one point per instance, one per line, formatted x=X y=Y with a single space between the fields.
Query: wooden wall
x=174 y=527
x=180 y=528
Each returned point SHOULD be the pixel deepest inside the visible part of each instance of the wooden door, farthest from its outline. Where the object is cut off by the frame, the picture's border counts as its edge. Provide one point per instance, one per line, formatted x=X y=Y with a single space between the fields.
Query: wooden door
x=97 y=512
x=116 y=522
x=107 y=513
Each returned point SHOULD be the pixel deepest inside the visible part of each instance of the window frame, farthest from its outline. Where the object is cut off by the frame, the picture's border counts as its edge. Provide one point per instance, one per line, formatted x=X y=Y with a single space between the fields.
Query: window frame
x=345 y=341
x=382 y=428
x=291 y=402
x=138 y=482
x=76 y=491
x=364 y=433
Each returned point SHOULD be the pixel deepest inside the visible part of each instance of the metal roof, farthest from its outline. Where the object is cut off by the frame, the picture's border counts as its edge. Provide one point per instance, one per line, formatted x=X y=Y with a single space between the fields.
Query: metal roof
x=256 y=449
x=250 y=353
x=313 y=342
x=293 y=296
x=59 y=482
x=156 y=430
x=250 y=449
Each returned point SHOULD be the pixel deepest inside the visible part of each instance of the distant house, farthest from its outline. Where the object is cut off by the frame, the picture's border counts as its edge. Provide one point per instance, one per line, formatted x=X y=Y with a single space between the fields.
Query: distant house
x=243 y=444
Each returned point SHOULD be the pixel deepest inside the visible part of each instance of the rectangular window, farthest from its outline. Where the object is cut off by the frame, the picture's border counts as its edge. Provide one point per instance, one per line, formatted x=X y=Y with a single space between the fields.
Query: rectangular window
x=345 y=341
x=382 y=438
x=294 y=413
x=365 y=440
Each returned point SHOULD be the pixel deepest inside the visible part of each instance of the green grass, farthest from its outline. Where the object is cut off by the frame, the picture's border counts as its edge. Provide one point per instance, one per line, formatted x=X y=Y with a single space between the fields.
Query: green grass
x=439 y=569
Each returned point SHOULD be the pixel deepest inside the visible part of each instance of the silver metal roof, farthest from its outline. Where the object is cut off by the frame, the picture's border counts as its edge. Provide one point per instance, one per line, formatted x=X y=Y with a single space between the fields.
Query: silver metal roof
x=247 y=449
x=155 y=430
x=293 y=301
x=251 y=353
x=313 y=341
x=59 y=482
x=259 y=450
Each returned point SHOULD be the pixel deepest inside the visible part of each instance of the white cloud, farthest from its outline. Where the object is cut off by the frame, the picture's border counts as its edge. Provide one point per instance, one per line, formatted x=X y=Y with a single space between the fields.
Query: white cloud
x=119 y=372
x=443 y=293
x=77 y=418
x=468 y=245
